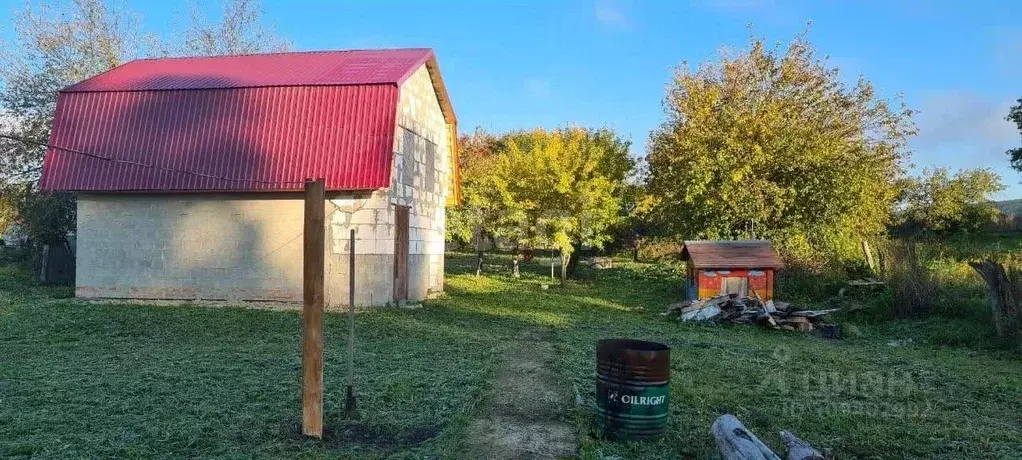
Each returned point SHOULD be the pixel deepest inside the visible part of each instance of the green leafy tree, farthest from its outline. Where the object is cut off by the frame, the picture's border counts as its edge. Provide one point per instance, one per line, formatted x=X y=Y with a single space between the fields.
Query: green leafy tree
x=770 y=143
x=939 y=203
x=557 y=189
x=1015 y=116
x=634 y=228
x=488 y=211
x=568 y=183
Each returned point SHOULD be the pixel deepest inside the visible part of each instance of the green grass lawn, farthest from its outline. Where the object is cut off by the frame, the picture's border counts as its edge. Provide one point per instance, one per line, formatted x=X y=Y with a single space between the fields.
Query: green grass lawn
x=119 y=380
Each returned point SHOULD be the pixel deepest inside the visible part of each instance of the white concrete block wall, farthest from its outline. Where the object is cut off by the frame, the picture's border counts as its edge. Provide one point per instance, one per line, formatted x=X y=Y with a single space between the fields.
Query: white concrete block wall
x=421 y=123
x=190 y=246
x=248 y=246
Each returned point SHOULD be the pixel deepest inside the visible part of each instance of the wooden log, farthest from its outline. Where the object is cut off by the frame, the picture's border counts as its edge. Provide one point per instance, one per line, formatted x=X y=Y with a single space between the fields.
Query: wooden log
x=799 y=449
x=738 y=443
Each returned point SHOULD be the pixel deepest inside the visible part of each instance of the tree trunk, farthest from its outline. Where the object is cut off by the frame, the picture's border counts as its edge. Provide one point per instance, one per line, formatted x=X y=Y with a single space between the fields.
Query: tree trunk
x=44 y=265
x=635 y=250
x=576 y=248
x=565 y=260
x=479 y=263
x=1005 y=294
x=514 y=260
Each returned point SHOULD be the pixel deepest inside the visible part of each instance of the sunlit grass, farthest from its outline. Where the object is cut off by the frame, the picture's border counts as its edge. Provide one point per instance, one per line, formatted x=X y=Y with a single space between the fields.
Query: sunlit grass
x=81 y=379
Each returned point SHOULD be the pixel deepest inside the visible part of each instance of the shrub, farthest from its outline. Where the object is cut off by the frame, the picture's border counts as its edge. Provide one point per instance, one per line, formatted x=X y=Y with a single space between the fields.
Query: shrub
x=657 y=249
x=913 y=286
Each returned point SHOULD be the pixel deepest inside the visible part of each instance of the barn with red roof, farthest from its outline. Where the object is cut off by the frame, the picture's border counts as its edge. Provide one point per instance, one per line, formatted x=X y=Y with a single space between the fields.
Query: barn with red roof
x=188 y=173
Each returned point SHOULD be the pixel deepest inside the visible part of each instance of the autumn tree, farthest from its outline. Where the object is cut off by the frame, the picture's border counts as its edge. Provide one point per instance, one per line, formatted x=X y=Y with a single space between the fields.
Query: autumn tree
x=770 y=143
x=939 y=203
x=488 y=211
x=569 y=183
x=57 y=44
x=240 y=29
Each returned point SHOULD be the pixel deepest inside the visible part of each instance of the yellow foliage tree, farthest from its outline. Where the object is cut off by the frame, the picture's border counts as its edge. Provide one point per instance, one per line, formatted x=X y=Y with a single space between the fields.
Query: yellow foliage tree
x=771 y=143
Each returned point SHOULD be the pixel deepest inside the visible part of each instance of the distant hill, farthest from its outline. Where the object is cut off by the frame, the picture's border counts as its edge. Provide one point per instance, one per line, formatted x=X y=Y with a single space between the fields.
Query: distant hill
x=1010 y=207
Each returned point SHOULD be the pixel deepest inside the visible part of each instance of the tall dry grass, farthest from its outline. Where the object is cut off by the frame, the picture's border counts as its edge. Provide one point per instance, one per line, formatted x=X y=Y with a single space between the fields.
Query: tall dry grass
x=913 y=286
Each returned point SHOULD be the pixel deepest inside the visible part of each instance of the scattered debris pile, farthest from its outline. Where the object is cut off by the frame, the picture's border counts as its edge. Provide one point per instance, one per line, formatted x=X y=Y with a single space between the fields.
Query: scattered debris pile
x=751 y=310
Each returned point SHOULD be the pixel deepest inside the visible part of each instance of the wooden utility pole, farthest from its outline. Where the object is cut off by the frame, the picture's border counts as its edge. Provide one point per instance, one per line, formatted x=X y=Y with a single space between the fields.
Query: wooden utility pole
x=312 y=309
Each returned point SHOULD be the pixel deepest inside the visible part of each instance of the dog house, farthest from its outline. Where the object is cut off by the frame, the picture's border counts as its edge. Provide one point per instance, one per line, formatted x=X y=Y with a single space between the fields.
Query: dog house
x=745 y=268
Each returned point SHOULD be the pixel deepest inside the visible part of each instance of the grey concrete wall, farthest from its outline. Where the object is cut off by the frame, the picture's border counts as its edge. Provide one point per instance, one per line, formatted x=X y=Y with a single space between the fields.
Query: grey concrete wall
x=190 y=246
x=215 y=246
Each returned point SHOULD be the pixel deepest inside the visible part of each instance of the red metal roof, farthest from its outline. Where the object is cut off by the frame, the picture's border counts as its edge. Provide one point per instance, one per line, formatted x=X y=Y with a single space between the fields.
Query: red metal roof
x=731 y=254
x=314 y=68
x=267 y=122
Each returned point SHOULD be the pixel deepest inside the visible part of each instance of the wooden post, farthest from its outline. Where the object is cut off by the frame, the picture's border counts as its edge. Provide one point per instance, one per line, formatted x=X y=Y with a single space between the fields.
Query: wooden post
x=869 y=256
x=349 y=402
x=312 y=309
x=44 y=265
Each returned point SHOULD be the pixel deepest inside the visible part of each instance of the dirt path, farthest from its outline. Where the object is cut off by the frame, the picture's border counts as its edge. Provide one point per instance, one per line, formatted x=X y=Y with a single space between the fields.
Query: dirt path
x=523 y=418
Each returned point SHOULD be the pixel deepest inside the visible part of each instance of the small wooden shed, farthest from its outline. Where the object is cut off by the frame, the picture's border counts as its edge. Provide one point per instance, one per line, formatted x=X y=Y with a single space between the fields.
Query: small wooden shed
x=744 y=267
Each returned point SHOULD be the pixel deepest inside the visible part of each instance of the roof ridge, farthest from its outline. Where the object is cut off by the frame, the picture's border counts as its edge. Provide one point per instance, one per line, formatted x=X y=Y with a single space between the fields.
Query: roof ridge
x=276 y=53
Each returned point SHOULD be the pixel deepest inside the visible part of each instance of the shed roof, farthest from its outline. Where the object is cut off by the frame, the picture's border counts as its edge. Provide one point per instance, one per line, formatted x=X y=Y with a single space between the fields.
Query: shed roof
x=731 y=254
x=243 y=123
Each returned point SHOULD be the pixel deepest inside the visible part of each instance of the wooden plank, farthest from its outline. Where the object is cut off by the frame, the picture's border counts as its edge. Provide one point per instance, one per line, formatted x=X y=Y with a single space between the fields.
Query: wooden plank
x=868 y=254
x=312 y=309
x=400 y=253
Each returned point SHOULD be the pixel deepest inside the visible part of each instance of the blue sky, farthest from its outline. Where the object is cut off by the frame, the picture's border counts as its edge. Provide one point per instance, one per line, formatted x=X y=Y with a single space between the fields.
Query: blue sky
x=523 y=64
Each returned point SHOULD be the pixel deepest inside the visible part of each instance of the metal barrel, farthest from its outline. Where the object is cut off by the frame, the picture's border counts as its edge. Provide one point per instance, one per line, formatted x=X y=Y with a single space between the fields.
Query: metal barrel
x=632 y=388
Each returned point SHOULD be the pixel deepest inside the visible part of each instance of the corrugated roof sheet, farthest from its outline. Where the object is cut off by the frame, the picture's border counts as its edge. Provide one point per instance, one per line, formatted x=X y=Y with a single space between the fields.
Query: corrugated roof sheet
x=731 y=254
x=267 y=122
x=314 y=68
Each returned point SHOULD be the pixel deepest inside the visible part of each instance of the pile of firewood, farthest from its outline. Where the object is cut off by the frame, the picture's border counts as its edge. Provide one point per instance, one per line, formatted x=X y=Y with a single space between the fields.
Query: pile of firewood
x=751 y=310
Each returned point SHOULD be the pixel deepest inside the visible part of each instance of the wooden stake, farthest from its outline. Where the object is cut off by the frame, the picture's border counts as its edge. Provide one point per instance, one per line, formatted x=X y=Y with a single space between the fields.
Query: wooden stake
x=312 y=309
x=349 y=401
x=869 y=256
